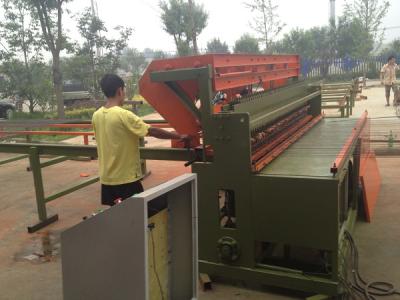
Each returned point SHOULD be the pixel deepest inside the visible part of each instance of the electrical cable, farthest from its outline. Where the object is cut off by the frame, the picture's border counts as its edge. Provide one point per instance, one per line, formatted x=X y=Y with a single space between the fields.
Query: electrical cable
x=154 y=262
x=368 y=289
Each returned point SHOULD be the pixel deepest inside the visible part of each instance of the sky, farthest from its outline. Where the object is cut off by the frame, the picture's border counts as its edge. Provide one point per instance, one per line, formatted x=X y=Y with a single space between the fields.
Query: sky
x=228 y=19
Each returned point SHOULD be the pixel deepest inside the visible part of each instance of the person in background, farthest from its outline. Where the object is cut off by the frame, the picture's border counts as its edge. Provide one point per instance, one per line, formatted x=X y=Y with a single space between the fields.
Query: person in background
x=388 y=77
x=117 y=133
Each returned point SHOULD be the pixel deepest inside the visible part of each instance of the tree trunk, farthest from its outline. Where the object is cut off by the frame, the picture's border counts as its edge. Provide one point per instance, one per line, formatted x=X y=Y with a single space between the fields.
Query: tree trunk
x=193 y=30
x=58 y=85
x=31 y=106
x=94 y=77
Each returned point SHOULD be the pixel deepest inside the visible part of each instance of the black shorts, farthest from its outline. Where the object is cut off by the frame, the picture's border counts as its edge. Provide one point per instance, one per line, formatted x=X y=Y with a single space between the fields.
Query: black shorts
x=110 y=193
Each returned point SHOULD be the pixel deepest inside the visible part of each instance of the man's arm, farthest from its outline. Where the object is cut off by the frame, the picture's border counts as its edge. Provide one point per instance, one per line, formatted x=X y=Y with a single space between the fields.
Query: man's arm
x=166 y=135
x=383 y=70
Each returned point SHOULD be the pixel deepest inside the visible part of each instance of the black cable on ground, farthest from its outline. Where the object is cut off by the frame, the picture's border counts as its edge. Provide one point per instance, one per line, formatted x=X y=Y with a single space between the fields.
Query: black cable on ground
x=366 y=289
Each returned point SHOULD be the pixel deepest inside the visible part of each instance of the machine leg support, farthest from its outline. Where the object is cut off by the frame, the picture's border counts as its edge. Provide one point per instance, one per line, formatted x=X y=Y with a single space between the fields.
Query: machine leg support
x=42 y=224
x=205 y=282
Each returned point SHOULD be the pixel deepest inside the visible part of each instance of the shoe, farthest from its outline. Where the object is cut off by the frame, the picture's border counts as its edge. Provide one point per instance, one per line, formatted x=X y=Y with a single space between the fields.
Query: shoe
x=387 y=104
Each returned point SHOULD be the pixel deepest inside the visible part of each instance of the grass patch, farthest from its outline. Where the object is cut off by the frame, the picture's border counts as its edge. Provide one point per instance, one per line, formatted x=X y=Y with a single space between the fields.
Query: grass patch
x=36 y=115
x=83 y=114
x=77 y=114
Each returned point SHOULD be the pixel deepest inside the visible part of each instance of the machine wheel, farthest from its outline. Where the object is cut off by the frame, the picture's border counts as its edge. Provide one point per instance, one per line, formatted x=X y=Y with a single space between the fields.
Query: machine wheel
x=228 y=249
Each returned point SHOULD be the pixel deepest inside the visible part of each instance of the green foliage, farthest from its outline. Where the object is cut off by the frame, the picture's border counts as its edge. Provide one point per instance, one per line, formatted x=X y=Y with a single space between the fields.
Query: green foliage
x=184 y=21
x=19 y=31
x=247 y=44
x=216 y=46
x=77 y=68
x=154 y=54
x=134 y=62
x=78 y=114
x=370 y=15
x=27 y=76
x=98 y=54
x=266 y=22
x=297 y=41
x=352 y=39
x=49 y=14
x=36 y=115
x=31 y=82
x=392 y=49
x=358 y=30
x=82 y=113
x=314 y=42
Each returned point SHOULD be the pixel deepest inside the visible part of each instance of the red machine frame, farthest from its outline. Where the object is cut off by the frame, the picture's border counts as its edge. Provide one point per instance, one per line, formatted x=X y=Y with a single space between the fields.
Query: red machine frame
x=232 y=73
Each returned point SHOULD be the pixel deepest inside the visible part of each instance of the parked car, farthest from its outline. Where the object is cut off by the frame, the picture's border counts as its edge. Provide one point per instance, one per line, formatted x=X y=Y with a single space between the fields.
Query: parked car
x=7 y=109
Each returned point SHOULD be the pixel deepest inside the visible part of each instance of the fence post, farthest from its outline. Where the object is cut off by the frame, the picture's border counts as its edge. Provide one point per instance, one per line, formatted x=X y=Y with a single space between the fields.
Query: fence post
x=34 y=160
x=85 y=139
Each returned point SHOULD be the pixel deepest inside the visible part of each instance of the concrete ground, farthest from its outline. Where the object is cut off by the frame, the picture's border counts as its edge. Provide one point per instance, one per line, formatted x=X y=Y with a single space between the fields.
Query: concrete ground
x=30 y=266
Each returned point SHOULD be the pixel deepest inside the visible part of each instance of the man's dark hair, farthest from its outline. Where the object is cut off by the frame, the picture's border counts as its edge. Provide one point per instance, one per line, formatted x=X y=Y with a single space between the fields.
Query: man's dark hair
x=391 y=57
x=110 y=83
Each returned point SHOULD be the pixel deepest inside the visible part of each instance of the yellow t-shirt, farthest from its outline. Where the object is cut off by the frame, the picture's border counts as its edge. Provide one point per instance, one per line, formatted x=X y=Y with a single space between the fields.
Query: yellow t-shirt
x=117 y=132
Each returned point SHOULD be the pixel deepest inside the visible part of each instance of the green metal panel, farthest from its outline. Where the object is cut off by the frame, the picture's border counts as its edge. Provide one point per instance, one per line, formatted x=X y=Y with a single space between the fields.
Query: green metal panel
x=12 y=159
x=179 y=74
x=91 y=151
x=299 y=282
x=261 y=118
x=72 y=188
x=185 y=99
x=286 y=211
x=264 y=101
x=230 y=171
x=38 y=181
x=313 y=155
x=53 y=161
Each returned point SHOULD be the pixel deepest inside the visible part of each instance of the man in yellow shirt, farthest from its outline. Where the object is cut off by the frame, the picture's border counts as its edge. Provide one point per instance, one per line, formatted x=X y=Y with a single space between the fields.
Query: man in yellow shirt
x=388 y=77
x=117 y=133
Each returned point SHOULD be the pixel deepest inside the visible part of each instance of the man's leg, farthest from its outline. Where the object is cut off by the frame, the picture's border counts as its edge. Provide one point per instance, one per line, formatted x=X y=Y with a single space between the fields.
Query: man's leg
x=394 y=88
x=111 y=193
x=108 y=194
x=131 y=189
x=387 y=94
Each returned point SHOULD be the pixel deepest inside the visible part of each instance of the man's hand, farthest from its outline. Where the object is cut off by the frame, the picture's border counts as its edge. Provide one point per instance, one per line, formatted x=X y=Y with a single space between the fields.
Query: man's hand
x=172 y=135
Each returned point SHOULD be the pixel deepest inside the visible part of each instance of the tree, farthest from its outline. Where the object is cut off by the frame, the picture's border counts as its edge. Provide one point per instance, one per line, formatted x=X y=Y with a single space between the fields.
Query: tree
x=370 y=14
x=151 y=54
x=34 y=86
x=314 y=44
x=98 y=54
x=22 y=59
x=266 y=21
x=134 y=62
x=49 y=14
x=247 y=44
x=91 y=28
x=311 y=43
x=392 y=49
x=77 y=68
x=216 y=46
x=184 y=21
x=352 y=39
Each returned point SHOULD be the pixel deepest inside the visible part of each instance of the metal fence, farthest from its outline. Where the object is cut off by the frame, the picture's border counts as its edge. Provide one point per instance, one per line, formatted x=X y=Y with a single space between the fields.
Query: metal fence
x=342 y=67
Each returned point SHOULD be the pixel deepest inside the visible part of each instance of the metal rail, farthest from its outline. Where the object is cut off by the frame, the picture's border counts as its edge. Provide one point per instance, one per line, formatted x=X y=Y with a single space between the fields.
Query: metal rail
x=64 y=152
x=341 y=157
